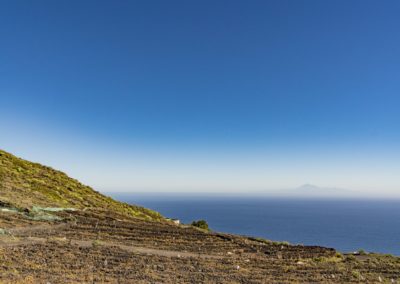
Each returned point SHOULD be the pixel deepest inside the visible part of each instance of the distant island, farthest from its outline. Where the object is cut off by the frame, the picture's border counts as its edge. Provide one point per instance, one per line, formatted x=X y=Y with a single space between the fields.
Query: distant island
x=53 y=229
x=309 y=191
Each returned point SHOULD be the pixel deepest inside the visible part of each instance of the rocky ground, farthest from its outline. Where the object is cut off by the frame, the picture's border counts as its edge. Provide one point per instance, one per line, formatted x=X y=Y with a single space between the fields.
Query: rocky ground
x=106 y=241
x=104 y=247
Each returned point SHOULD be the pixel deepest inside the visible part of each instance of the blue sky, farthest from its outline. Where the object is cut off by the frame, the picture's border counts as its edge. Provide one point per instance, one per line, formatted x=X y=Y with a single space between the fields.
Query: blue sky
x=204 y=95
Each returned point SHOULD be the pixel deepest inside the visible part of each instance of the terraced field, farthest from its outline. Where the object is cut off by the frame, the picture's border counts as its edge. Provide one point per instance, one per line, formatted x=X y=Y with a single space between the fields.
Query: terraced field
x=100 y=240
x=99 y=246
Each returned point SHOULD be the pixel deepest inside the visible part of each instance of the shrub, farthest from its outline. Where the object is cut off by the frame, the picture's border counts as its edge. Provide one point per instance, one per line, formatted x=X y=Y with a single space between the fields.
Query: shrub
x=350 y=257
x=202 y=224
x=96 y=243
x=356 y=274
x=362 y=252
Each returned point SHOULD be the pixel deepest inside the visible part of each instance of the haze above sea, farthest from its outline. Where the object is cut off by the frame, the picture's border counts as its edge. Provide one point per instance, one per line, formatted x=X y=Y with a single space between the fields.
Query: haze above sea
x=344 y=224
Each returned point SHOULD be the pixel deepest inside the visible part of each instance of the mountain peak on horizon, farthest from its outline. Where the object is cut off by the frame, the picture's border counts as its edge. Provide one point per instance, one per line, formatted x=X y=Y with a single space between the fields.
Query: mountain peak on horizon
x=309 y=185
x=319 y=190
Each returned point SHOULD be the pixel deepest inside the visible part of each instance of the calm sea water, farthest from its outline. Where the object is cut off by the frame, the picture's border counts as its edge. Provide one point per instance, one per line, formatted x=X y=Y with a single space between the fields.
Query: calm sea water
x=346 y=225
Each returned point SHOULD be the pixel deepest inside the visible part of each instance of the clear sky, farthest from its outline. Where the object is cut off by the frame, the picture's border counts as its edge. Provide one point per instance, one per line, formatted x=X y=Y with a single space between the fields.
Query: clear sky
x=230 y=96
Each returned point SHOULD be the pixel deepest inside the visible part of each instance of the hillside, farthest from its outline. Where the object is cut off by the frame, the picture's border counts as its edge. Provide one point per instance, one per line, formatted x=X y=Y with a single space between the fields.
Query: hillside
x=99 y=240
x=24 y=184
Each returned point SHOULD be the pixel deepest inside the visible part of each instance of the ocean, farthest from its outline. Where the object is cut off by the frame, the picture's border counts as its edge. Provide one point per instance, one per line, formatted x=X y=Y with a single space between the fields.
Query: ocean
x=346 y=225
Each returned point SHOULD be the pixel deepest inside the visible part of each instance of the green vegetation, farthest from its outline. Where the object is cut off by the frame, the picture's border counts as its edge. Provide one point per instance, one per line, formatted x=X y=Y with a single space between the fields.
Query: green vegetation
x=350 y=257
x=269 y=242
x=202 y=224
x=96 y=243
x=362 y=252
x=338 y=257
x=24 y=184
x=356 y=274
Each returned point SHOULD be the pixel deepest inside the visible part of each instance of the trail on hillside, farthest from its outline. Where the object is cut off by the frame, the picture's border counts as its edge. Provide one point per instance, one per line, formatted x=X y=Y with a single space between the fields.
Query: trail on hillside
x=12 y=239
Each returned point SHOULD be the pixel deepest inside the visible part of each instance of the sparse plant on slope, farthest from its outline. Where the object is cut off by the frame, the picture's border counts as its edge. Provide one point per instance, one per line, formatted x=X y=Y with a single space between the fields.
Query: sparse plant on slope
x=202 y=224
x=24 y=184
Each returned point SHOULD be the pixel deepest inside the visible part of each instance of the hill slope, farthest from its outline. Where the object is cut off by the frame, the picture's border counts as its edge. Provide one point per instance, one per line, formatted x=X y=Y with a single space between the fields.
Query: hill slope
x=106 y=242
x=24 y=184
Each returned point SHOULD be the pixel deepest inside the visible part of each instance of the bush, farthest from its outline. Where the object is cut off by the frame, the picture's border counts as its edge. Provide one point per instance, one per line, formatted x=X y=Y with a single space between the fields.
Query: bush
x=350 y=257
x=356 y=274
x=362 y=252
x=202 y=224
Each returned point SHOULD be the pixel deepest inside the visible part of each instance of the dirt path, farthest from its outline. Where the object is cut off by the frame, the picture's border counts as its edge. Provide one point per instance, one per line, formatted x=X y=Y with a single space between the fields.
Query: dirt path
x=145 y=250
x=37 y=228
x=11 y=241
